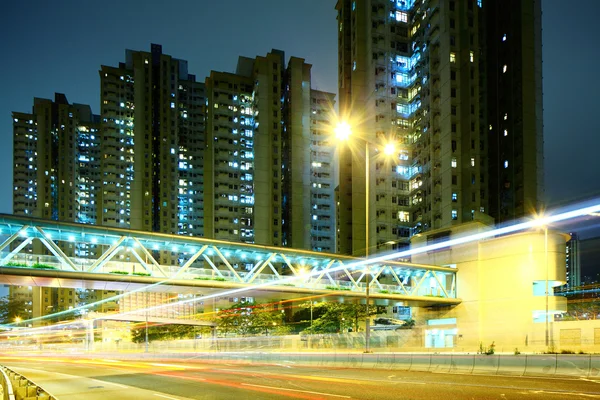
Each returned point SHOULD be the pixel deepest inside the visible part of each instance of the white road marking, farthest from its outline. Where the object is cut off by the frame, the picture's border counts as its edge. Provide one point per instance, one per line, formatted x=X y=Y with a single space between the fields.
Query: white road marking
x=294 y=390
x=166 y=397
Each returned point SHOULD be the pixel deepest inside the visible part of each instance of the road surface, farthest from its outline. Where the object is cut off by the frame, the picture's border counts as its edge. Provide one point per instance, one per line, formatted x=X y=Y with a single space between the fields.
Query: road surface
x=91 y=379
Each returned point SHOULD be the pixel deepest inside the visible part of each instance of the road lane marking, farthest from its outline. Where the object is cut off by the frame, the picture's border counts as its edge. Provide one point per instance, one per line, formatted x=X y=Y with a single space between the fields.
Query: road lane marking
x=295 y=390
x=166 y=397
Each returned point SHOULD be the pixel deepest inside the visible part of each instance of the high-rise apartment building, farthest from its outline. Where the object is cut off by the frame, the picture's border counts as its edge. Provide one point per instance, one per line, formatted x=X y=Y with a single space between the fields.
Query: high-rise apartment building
x=457 y=86
x=47 y=183
x=153 y=114
x=239 y=157
x=259 y=174
x=243 y=156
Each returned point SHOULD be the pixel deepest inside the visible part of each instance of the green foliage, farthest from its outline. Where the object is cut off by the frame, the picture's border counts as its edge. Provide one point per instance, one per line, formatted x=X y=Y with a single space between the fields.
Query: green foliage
x=567 y=352
x=167 y=332
x=206 y=278
x=329 y=287
x=336 y=317
x=142 y=274
x=24 y=265
x=42 y=266
x=487 y=350
x=517 y=352
x=251 y=318
x=408 y=324
x=119 y=272
x=15 y=264
x=11 y=309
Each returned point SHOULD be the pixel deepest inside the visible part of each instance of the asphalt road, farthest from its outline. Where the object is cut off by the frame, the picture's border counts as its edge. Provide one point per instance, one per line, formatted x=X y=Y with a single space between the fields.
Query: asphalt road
x=70 y=379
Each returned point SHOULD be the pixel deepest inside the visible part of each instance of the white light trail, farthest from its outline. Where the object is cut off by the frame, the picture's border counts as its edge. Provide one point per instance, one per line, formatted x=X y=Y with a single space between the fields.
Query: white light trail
x=538 y=222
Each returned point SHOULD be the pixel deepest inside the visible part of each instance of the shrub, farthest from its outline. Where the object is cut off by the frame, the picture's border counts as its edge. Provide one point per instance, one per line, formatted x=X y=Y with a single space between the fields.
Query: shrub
x=142 y=274
x=487 y=350
x=15 y=264
x=119 y=272
x=42 y=266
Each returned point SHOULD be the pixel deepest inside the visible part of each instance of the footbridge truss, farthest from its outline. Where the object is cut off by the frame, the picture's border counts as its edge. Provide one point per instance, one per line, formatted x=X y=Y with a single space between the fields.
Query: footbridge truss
x=44 y=248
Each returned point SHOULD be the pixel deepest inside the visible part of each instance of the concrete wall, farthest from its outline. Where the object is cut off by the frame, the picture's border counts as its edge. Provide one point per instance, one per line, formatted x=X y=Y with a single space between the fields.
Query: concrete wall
x=501 y=283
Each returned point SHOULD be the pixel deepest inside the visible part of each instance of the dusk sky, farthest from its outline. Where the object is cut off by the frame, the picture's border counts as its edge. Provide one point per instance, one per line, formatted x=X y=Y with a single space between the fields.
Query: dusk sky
x=59 y=46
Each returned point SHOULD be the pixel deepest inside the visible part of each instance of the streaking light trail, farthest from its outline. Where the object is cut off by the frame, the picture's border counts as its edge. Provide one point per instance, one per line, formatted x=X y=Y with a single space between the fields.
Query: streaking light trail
x=522 y=226
x=538 y=222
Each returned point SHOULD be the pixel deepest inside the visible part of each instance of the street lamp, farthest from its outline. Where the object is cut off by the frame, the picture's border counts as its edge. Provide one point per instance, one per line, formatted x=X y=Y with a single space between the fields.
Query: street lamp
x=343 y=131
x=546 y=262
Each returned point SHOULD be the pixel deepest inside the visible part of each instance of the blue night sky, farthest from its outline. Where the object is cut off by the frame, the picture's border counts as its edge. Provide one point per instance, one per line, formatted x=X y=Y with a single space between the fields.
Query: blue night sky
x=59 y=46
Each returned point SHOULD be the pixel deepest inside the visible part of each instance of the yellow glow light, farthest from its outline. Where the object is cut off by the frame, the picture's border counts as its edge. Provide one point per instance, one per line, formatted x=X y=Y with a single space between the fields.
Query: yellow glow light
x=343 y=131
x=389 y=149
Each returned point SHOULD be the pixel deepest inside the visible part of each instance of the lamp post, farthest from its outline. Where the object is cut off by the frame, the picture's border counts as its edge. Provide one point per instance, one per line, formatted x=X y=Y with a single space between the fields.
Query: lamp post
x=546 y=262
x=343 y=132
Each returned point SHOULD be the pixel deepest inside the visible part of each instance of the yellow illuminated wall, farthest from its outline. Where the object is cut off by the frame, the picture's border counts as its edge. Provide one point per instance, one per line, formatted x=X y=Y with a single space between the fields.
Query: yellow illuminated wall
x=501 y=284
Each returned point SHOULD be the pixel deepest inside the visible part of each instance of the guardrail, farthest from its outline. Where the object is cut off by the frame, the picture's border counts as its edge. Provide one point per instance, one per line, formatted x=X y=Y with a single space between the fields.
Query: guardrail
x=7 y=389
x=20 y=387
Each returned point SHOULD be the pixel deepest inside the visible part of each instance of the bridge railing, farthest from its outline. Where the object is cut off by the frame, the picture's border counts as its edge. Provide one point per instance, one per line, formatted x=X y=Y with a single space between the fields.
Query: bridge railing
x=194 y=273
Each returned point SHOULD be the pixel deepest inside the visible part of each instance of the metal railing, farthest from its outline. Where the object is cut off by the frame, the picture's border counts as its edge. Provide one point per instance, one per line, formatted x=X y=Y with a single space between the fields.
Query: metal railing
x=17 y=387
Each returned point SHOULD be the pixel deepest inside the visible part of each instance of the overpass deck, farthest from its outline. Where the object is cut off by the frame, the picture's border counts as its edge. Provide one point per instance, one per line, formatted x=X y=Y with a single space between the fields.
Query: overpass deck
x=122 y=259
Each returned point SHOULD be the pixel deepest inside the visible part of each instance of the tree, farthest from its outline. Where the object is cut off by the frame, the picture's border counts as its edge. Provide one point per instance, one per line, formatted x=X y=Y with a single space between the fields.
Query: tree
x=250 y=318
x=166 y=332
x=11 y=309
x=334 y=317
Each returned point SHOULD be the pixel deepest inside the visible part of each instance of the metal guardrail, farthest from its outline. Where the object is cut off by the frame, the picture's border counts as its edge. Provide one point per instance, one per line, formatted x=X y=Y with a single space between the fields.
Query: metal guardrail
x=7 y=389
x=18 y=387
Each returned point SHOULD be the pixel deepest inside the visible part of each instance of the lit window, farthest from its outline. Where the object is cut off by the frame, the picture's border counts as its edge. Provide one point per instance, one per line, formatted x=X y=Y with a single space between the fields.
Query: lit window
x=472 y=161
x=452 y=57
x=505 y=132
x=454 y=197
x=471 y=56
x=403 y=216
x=506 y=164
x=453 y=162
x=505 y=116
x=354 y=66
x=504 y=68
x=454 y=214
x=504 y=37
x=146 y=61
x=479 y=3
x=401 y=16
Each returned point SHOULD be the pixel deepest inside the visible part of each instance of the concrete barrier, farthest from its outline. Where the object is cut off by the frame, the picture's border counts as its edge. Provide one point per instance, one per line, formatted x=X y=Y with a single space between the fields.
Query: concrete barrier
x=485 y=364
x=512 y=365
x=462 y=363
x=420 y=362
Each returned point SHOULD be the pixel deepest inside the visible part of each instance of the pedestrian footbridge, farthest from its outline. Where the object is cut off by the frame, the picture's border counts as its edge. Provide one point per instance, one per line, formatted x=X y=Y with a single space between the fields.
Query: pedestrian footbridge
x=36 y=252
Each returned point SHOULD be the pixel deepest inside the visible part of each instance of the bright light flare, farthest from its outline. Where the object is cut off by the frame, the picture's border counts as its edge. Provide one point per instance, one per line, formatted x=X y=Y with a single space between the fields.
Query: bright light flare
x=343 y=131
x=389 y=149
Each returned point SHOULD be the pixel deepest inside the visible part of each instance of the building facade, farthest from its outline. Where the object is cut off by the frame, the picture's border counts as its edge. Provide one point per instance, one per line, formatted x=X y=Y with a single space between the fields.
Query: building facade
x=438 y=79
x=240 y=157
